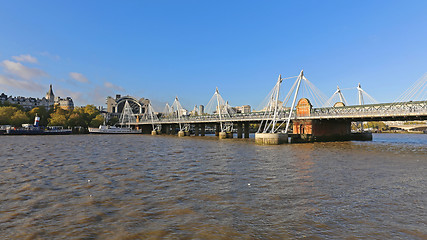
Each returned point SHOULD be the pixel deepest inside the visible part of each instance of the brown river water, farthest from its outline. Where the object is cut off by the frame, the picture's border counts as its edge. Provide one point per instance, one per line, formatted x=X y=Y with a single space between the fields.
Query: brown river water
x=162 y=187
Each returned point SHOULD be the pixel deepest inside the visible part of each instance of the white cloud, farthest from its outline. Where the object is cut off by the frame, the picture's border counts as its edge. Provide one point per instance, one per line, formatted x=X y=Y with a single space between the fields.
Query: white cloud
x=78 y=97
x=79 y=77
x=51 y=56
x=27 y=85
x=112 y=86
x=22 y=71
x=25 y=58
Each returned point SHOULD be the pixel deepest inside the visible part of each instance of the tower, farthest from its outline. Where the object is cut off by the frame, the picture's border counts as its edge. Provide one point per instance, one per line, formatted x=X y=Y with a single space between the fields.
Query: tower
x=49 y=95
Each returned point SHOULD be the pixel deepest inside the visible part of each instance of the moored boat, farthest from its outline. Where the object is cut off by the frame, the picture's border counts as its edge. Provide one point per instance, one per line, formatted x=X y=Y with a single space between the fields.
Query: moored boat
x=103 y=129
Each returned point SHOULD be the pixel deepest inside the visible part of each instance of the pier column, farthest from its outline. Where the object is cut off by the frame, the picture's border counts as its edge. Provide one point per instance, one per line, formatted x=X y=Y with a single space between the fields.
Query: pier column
x=217 y=129
x=146 y=129
x=202 y=129
x=239 y=130
x=246 y=129
x=196 y=129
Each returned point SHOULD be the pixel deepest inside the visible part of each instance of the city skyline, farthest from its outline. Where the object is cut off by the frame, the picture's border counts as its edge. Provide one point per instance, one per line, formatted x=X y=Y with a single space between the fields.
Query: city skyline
x=158 y=51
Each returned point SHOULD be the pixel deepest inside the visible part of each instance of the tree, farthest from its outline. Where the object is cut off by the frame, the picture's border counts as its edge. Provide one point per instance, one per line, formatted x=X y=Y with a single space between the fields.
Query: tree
x=98 y=120
x=19 y=118
x=40 y=112
x=6 y=114
x=57 y=119
x=91 y=110
x=112 y=121
x=76 y=120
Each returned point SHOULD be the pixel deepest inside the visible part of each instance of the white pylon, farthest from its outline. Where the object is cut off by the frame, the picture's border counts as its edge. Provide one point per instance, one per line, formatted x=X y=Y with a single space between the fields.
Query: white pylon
x=218 y=106
x=127 y=115
x=150 y=114
x=271 y=110
x=300 y=77
x=179 y=109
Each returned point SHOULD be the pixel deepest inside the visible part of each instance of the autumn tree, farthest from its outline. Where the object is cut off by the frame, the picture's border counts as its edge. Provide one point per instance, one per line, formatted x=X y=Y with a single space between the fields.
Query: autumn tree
x=6 y=113
x=18 y=118
x=40 y=112
x=98 y=120
x=58 y=118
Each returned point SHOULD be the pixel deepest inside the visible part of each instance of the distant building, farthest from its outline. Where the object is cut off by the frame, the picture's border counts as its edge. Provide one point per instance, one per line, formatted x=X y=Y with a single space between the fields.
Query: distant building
x=47 y=102
x=198 y=110
x=201 y=109
x=115 y=105
x=243 y=109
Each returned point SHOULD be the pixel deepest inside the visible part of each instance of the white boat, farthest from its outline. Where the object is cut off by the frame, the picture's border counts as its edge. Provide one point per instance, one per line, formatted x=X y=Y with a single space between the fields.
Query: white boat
x=113 y=130
x=127 y=116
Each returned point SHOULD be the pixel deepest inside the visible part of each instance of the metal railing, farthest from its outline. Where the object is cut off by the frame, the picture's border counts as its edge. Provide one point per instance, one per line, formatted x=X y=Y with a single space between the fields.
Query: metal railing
x=418 y=108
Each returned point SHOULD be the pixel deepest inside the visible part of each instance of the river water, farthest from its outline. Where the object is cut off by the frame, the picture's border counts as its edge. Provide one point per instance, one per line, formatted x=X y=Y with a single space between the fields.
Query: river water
x=160 y=187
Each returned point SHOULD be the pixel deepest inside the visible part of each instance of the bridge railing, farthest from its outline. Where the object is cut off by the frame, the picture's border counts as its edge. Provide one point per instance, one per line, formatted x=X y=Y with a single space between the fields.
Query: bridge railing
x=372 y=110
x=389 y=109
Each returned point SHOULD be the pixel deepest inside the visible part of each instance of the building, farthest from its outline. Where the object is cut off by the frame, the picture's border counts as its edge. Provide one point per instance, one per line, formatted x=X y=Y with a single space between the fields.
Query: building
x=47 y=102
x=243 y=109
x=198 y=110
x=115 y=105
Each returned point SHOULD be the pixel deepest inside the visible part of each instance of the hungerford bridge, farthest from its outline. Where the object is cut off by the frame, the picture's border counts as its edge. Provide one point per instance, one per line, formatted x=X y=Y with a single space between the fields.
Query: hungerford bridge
x=277 y=123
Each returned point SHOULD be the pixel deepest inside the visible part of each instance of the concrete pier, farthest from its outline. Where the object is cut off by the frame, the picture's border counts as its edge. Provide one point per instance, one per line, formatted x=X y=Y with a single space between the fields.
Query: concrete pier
x=196 y=129
x=271 y=138
x=246 y=129
x=181 y=133
x=222 y=135
x=154 y=132
x=202 y=129
x=229 y=134
x=239 y=130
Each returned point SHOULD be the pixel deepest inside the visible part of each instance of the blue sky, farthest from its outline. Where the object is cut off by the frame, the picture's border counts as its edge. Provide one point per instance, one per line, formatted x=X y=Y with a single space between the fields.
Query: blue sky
x=161 y=49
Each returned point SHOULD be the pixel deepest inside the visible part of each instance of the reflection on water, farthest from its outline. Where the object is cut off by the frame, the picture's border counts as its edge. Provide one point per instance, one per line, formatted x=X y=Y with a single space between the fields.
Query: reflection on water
x=153 y=187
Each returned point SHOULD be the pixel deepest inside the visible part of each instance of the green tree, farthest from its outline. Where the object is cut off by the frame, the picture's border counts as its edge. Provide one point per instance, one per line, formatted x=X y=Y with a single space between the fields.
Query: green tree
x=19 y=118
x=58 y=118
x=98 y=120
x=91 y=110
x=6 y=114
x=112 y=121
x=76 y=120
x=41 y=112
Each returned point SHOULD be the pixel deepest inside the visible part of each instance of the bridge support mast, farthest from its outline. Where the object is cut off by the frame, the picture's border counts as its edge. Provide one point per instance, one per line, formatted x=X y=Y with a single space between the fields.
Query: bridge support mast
x=267 y=133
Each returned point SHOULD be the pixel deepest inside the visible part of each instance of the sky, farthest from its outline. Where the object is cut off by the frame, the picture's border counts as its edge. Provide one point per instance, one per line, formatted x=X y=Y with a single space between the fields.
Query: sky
x=162 y=49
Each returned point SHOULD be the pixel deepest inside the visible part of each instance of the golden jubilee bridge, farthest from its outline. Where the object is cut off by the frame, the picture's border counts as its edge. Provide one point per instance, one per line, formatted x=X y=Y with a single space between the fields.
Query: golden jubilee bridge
x=294 y=117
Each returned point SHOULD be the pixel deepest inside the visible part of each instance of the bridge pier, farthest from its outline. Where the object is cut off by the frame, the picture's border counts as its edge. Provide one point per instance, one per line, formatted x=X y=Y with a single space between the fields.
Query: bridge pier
x=239 y=130
x=167 y=129
x=217 y=129
x=196 y=129
x=246 y=129
x=222 y=135
x=146 y=129
x=202 y=129
x=325 y=131
x=271 y=138
x=229 y=134
x=173 y=130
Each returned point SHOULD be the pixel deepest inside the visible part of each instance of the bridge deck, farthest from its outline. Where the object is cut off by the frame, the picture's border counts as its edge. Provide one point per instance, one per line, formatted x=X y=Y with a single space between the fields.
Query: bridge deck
x=373 y=112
